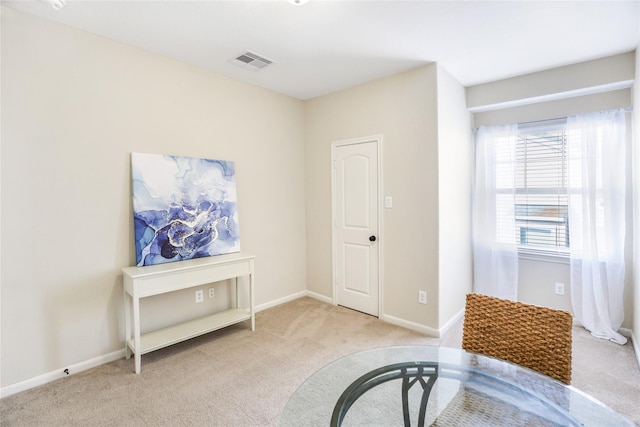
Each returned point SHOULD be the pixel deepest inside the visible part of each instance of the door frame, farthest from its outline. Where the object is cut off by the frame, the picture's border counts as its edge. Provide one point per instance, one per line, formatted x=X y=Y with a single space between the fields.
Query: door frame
x=377 y=139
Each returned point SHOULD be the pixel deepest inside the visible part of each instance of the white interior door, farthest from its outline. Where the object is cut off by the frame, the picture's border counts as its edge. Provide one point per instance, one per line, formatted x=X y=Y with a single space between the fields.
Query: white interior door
x=356 y=227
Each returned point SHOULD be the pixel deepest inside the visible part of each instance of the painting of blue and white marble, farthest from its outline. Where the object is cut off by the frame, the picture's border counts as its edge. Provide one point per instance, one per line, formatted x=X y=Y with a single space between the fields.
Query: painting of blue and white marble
x=183 y=208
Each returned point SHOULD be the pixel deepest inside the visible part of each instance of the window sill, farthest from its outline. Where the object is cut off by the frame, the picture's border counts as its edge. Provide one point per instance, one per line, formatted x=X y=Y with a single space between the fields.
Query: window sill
x=544 y=256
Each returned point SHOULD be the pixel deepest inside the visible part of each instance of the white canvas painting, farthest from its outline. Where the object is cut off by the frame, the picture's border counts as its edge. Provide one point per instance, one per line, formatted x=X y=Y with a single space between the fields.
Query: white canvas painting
x=183 y=208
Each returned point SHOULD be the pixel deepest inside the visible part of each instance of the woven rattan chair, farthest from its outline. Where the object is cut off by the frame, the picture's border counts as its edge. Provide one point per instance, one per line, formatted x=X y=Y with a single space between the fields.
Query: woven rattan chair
x=536 y=337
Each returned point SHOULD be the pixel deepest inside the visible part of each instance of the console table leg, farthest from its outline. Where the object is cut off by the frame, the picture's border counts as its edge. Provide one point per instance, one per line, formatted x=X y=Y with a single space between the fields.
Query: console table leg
x=235 y=281
x=136 y=333
x=127 y=326
x=138 y=362
x=251 y=302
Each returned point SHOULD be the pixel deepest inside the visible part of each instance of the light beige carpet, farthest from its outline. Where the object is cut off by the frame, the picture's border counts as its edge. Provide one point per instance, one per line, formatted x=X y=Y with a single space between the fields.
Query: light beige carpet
x=235 y=377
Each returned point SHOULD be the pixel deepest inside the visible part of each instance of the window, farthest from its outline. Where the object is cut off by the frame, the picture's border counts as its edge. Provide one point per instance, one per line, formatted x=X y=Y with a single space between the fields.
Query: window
x=541 y=210
x=540 y=179
x=557 y=192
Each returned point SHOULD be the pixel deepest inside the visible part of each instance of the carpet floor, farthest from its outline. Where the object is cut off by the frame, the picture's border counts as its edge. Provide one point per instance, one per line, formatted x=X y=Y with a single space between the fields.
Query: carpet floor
x=235 y=377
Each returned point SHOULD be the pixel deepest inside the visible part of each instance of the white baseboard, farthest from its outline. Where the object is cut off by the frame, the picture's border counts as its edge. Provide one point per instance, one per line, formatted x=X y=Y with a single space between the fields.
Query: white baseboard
x=60 y=373
x=450 y=324
x=636 y=347
x=319 y=297
x=634 y=342
x=385 y=318
x=279 y=301
x=410 y=325
x=292 y=297
x=422 y=328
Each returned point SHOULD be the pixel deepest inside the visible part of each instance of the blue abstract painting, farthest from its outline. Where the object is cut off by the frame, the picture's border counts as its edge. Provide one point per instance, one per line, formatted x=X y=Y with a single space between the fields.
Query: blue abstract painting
x=183 y=208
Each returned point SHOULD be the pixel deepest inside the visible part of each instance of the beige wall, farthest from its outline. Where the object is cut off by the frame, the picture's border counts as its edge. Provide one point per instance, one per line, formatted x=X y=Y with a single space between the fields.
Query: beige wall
x=426 y=130
x=537 y=278
x=74 y=106
x=455 y=165
x=571 y=80
x=402 y=109
x=537 y=283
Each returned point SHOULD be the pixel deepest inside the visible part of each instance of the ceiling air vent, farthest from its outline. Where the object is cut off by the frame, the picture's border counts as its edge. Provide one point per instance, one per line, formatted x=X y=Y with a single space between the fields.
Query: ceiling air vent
x=252 y=61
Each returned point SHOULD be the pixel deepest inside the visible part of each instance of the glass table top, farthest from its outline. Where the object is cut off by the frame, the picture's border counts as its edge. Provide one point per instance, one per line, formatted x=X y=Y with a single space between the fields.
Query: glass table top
x=443 y=387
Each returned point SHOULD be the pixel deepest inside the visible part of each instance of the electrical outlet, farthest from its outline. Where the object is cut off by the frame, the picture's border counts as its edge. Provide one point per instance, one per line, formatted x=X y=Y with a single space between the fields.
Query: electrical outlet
x=559 y=288
x=199 y=296
x=212 y=292
x=422 y=297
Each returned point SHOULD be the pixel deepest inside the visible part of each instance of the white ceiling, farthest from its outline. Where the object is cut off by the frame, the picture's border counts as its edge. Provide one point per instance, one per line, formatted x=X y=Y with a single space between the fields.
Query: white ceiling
x=325 y=46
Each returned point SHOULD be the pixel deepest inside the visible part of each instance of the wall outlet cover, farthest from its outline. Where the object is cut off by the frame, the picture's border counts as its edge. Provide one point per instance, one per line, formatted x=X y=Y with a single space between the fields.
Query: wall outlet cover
x=422 y=297
x=199 y=296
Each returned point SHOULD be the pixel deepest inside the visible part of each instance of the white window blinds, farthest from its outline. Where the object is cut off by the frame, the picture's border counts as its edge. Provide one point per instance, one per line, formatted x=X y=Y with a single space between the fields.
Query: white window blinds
x=541 y=213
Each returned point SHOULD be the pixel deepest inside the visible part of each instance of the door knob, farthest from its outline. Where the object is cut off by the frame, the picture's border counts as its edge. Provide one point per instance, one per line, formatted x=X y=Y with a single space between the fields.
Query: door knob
x=372 y=238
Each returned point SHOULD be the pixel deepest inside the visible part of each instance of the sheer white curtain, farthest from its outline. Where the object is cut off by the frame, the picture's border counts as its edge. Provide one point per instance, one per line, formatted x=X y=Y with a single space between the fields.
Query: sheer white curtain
x=596 y=153
x=495 y=252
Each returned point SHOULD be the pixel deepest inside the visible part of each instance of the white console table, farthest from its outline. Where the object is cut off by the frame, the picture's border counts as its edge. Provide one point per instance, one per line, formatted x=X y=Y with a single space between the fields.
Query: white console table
x=142 y=282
